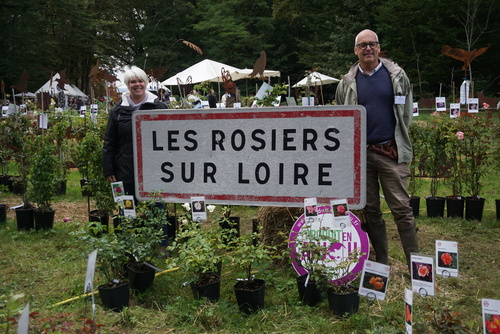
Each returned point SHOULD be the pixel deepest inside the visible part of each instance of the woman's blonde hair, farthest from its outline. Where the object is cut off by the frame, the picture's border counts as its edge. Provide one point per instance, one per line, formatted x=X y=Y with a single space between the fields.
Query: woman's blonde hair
x=135 y=72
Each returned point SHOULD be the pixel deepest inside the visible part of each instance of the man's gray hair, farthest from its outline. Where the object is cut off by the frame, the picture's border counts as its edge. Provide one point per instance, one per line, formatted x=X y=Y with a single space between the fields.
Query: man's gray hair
x=356 y=39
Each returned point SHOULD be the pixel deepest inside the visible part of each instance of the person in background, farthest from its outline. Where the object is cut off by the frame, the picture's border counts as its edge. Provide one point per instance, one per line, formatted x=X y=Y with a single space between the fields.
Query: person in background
x=118 y=148
x=383 y=88
x=212 y=99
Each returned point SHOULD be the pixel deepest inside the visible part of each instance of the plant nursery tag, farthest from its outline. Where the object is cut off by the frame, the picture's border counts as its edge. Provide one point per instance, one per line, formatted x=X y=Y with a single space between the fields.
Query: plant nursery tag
x=473 y=105
x=198 y=208
x=4 y=110
x=23 y=323
x=83 y=111
x=118 y=190
x=348 y=239
x=43 y=121
x=311 y=208
x=415 y=109
x=422 y=275
x=127 y=205
x=89 y=277
x=340 y=212
x=93 y=108
x=447 y=258
x=440 y=103
x=454 y=110
x=408 y=311
x=491 y=315
x=374 y=280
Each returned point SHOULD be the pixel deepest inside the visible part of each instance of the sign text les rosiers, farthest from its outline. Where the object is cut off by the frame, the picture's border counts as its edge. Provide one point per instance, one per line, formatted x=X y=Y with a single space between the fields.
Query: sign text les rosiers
x=257 y=156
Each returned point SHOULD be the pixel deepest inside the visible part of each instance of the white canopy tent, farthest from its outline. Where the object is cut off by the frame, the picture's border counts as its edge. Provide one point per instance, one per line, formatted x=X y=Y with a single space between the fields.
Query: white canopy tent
x=52 y=88
x=315 y=79
x=243 y=74
x=205 y=70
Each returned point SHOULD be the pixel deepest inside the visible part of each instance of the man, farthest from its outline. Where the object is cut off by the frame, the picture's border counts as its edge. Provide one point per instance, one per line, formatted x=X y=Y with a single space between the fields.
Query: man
x=383 y=88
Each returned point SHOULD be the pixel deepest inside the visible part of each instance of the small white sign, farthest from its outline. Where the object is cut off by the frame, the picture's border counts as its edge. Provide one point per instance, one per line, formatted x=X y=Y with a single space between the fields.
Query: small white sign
x=118 y=190
x=308 y=101
x=43 y=120
x=473 y=105
x=310 y=208
x=440 y=103
x=374 y=280
x=454 y=110
x=408 y=311
x=447 y=258
x=89 y=277
x=198 y=210
x=83 y=111
x=399 y=99
x=237 y=105
x=491 y=315
x=340 y=212
x=23 y=323
x=127 y=205
x=93 y=108
x=5 y=109
x=415 y=109
x=422 y=274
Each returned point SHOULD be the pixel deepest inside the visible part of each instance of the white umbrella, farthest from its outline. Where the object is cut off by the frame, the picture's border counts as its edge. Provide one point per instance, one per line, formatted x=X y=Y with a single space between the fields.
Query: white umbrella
x=28 y=94
x=205 y=70
x=315 y=79
x=243 y=74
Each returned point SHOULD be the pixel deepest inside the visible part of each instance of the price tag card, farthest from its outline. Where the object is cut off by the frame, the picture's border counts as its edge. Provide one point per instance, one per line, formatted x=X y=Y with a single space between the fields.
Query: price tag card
x=408 y=311
x=198 y=208
x=473 y=105
x=447 y=258
x=415 y=109
x=440 y=103
x=310 y=208
x=454 y=110
x=374 y=280
x=118 y=190
x=127 y=205
x=422 y=274
x=340 y=213
x=491 y=315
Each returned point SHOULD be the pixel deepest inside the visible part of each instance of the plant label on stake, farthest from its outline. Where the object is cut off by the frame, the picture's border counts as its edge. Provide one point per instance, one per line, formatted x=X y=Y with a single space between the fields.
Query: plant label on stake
x=89 y=277
x=198 y=208
x=83 y=111
x=415 y=109
x=454 y=110
x=422 y=274
x=473 y=105
x=118 y=190
x=5 y=109
x=408 y=311
x=374 y=280
x=311 y=209
x=440 y=103
x=23 y=323
x=43 y=121
x=447 y=258
x=491 y=315
x=340 y=213
x=127 y=206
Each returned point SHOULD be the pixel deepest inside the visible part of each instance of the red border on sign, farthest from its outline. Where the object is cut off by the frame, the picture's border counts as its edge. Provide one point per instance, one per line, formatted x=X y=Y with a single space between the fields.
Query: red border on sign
x=201 y=116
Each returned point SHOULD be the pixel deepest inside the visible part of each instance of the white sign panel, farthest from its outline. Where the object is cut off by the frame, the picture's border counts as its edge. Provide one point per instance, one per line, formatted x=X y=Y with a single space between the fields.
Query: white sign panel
x=252 y=156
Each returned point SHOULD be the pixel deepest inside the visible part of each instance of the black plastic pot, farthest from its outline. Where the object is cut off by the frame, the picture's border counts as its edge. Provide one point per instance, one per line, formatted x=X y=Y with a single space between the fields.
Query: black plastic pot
x=25 y=219
x=343 y=304
x=211 y=291
x=140 y=276
x=415 y=205
x=497 y=203
x=309 y=295
x=115 y=297
x=455 y=207
x=474 y=207
x=435 y=207
x=44 y=220
x=250 y=299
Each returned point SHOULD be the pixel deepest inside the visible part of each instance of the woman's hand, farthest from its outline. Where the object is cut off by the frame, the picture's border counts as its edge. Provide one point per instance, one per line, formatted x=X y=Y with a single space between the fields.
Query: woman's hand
x=111 y=178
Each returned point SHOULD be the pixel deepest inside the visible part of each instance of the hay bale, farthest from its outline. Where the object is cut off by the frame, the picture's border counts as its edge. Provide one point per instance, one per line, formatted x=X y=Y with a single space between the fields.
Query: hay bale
x=276 y=223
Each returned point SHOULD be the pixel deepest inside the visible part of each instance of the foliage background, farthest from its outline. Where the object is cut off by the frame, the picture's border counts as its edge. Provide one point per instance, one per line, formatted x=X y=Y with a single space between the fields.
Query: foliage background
x=44 y=36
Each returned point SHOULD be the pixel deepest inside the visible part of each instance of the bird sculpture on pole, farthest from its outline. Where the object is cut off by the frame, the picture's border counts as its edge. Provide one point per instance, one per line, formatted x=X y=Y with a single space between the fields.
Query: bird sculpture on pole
x=466 y=56
x=259 y=66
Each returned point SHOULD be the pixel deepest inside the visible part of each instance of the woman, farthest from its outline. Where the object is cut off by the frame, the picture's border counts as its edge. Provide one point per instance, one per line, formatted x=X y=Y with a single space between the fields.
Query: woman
x=118 y=149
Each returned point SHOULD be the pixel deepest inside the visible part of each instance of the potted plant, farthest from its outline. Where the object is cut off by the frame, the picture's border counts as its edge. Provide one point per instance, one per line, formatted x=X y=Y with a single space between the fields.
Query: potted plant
x=245 y=256
x=42 y=178
x=58 y=132
x=110 y=264
x=477 y=145
x=96 y=186
x=311 y=251
x=18 y=135
x=418 y=137
x=141 y=239
x=434 y=162
x=454 y=154
x=199 y=251
x=343 y=298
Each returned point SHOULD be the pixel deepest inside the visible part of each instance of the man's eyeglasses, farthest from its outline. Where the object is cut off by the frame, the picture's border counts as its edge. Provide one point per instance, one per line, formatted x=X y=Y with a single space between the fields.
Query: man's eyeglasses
x=364 y=45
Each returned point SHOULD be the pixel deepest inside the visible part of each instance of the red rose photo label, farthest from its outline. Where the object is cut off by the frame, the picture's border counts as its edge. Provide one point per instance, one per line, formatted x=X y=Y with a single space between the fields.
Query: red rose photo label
x=446 y=258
